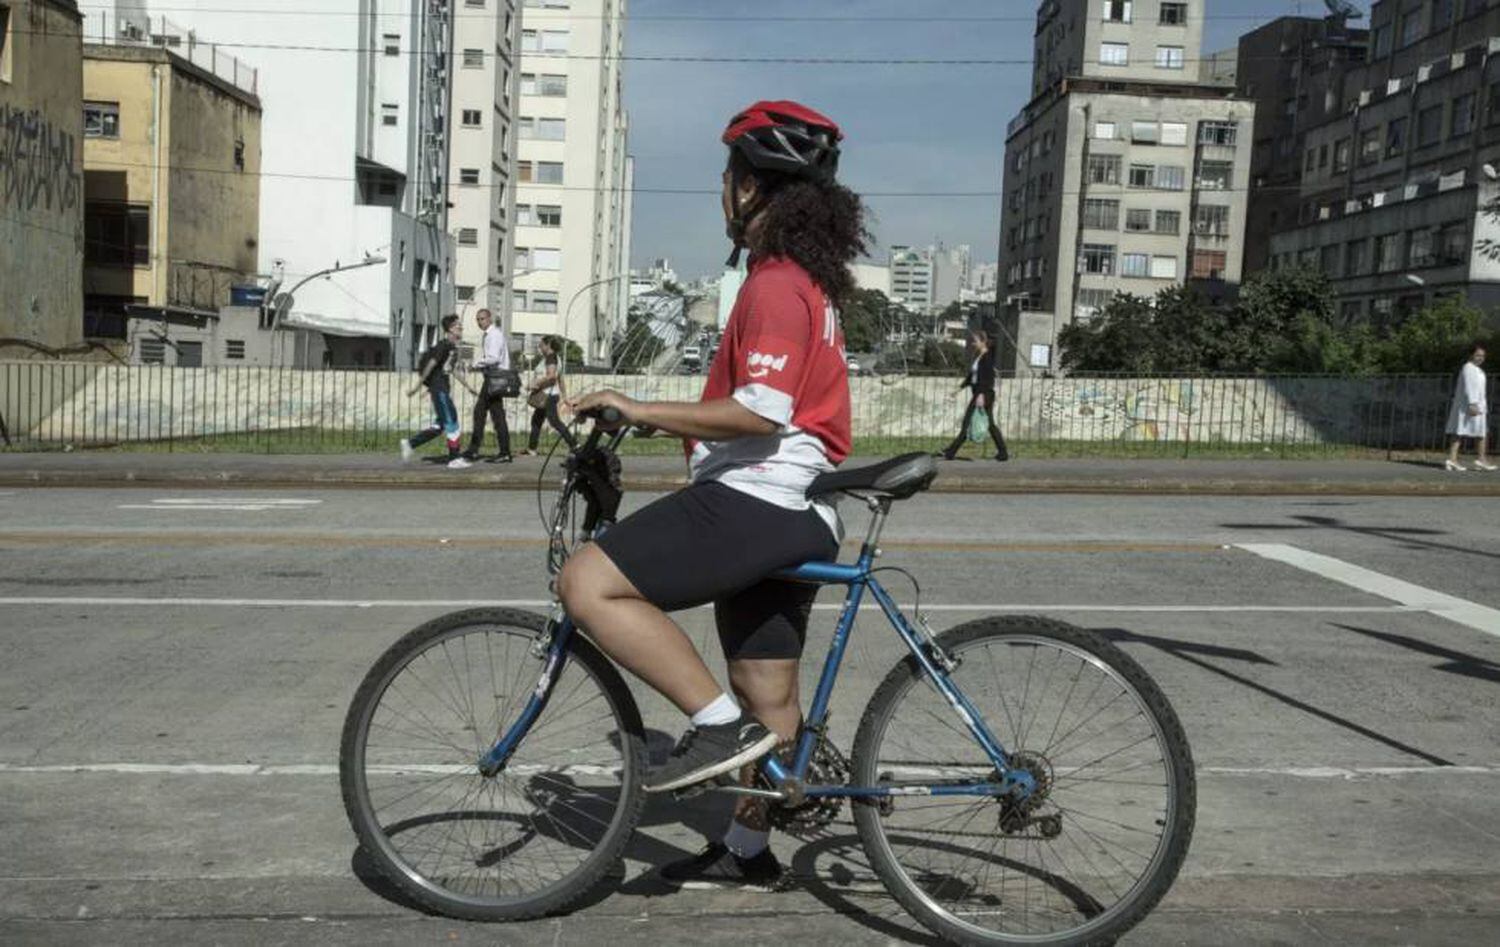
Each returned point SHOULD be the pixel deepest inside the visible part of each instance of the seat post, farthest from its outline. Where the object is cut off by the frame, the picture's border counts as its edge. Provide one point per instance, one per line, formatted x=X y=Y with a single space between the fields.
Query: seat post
x=880 y=508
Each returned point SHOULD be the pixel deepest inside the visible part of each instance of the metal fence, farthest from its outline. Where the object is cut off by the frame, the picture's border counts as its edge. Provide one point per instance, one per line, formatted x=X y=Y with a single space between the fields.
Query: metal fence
x=49 y=405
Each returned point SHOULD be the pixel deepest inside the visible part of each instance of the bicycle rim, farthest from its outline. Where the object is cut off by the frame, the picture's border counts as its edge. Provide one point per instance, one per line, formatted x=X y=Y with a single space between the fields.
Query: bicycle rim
x=525 y=841
x=1105 y=834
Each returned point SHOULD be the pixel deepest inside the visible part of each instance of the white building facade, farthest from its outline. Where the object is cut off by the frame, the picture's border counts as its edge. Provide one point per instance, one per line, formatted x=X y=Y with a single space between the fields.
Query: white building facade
x=573 y=176
x=482 y=166
x=354 y=154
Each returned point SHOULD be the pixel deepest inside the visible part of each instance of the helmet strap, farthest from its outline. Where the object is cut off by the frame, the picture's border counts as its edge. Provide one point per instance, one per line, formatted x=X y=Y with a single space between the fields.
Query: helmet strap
x=739 y=221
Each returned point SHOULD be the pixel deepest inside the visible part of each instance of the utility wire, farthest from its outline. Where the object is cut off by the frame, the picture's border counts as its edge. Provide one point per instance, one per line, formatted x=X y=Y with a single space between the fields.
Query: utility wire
x=543 y=14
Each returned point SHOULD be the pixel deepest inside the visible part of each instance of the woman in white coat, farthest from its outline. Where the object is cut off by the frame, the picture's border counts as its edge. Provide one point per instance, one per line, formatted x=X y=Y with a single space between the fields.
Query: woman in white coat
x=1469 y=412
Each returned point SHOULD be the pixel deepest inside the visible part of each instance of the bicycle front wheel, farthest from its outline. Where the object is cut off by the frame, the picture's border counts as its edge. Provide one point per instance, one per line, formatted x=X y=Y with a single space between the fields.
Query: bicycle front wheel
x=1091 y=851
x=537 y=836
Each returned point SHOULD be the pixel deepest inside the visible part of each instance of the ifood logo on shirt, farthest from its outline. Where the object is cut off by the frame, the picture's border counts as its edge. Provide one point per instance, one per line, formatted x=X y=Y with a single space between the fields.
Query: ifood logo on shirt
x=762 y=365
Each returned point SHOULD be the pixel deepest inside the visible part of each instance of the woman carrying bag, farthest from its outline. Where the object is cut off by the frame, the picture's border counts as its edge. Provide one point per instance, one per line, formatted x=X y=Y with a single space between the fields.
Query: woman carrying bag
x=981 y=384
x=547 y=387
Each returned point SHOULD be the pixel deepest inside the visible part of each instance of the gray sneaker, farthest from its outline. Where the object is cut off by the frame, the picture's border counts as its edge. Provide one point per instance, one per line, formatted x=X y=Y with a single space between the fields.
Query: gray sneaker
x=716 y=867
x=705 y=752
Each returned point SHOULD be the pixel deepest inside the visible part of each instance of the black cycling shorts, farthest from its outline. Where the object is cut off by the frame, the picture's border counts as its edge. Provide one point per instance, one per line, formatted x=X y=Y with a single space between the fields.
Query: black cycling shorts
x=712 y=543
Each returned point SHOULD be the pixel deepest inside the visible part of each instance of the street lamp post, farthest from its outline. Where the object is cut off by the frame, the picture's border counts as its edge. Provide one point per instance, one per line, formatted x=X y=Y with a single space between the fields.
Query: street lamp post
x=568 y=312
x=283 y=303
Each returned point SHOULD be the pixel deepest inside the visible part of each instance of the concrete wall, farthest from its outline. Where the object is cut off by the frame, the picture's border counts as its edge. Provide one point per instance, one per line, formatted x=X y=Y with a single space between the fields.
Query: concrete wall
x=41 y=174
x=144 y=403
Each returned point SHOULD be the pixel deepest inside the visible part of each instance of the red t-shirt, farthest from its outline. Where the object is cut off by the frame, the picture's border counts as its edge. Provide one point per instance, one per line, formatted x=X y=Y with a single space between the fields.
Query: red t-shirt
x=782 y=357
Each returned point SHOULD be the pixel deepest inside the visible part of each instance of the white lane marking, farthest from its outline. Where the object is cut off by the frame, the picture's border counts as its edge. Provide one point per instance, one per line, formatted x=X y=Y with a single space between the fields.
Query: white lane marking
x=440 y=769
x=1455 y=609
x=252 y=504
x=544 y=603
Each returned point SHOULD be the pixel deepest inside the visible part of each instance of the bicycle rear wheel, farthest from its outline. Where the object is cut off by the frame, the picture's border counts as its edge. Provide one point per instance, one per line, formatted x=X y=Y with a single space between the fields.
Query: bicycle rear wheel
x=541 y=833
x=1098 y=844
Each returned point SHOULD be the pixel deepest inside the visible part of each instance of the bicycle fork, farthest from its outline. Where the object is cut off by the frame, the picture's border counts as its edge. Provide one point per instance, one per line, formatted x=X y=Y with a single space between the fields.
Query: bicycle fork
x=551 y=648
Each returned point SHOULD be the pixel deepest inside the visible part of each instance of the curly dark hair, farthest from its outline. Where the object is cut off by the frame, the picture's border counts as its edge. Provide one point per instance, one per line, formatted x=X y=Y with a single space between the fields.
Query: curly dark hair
x=819 y=224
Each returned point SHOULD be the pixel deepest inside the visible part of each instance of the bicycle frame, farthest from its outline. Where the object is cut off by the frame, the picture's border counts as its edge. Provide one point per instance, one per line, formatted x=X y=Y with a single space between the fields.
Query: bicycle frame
x=859 y=579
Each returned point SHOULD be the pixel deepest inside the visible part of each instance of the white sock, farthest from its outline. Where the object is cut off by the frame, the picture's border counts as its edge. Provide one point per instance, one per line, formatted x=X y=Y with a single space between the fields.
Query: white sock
x=745 y=841
x=721 y=709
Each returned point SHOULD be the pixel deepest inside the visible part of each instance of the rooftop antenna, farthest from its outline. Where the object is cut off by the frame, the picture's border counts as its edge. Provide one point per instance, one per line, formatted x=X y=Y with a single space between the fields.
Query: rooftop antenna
x=1343 y=9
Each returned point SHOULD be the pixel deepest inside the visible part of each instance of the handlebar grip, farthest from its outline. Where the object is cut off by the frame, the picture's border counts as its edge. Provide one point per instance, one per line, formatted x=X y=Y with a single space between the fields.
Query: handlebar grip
x=608 y=417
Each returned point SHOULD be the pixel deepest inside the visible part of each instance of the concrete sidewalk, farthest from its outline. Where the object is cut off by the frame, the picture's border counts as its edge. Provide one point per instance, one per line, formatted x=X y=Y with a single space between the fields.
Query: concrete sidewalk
x=1025 y=475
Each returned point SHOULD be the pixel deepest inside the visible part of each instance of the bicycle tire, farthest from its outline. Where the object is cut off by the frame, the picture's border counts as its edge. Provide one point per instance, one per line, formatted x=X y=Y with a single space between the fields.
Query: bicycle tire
x=571 y=819
x=920 y=896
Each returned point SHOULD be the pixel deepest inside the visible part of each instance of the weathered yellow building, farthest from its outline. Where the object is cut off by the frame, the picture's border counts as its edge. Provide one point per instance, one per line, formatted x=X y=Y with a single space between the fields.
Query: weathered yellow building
x=41 y=181
x=171 y=161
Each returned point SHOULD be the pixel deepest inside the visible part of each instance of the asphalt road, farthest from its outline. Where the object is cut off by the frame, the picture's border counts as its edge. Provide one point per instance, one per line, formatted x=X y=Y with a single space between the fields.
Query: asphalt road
x=177 y=666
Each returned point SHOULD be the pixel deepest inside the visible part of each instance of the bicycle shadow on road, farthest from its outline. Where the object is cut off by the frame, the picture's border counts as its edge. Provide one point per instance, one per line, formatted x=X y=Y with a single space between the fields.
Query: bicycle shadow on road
x=1454 y=662
x=1407 y=537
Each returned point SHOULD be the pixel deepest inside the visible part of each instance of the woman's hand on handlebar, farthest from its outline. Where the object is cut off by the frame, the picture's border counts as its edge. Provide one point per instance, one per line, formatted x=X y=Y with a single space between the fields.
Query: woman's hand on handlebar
x=597 y=401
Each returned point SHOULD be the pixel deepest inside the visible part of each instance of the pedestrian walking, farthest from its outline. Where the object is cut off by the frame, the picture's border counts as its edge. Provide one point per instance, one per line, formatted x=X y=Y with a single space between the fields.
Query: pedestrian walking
x=980 y=381
x=1470 y=412
x=546 y=389
x=499 y=380
x=433 y=368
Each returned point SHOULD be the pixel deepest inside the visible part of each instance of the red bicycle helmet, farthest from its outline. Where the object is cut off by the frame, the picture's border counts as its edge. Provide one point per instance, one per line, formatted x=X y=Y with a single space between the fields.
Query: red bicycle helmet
x=787 y=137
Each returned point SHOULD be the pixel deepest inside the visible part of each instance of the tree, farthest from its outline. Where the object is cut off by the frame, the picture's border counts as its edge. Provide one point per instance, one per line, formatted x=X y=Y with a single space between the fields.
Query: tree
x=865 y=318
x=1435 y=339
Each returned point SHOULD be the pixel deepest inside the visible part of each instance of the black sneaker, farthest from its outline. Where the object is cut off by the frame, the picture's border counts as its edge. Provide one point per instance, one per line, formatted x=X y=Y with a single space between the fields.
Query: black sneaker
x=717 y=867
x=705 y=752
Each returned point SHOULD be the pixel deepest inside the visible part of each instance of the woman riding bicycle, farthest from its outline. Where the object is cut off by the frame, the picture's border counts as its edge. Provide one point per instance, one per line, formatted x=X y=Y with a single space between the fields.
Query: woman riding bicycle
x=774 y=415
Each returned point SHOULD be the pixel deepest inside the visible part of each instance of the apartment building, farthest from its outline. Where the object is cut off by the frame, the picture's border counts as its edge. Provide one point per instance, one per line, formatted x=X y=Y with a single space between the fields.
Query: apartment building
x=482 y=166
x=572 y=205
x=1398 y=194
x=927 y=279
x=1124 y=173
x=171 y=158
x=1295 y=69
x=41 y=175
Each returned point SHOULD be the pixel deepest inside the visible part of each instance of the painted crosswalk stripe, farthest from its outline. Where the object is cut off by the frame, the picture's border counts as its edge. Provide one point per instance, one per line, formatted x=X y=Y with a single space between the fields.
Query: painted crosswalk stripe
x=1455 y=609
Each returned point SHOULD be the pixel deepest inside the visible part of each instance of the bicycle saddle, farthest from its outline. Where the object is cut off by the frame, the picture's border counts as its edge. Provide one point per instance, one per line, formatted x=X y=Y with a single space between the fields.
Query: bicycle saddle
x=897 y=478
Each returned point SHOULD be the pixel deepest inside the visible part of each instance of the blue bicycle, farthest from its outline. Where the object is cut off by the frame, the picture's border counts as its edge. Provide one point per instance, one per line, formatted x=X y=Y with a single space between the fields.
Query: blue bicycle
x=1012 y=780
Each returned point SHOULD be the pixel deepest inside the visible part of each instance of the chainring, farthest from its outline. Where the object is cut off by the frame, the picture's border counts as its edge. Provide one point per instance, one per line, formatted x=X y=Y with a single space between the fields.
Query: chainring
x=828 y=767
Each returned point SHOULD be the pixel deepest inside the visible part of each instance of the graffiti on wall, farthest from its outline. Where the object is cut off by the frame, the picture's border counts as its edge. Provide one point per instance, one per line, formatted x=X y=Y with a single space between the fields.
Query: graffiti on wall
x=37 y=166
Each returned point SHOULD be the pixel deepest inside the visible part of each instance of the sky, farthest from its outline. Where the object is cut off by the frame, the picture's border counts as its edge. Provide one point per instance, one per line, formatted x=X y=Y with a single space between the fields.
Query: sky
x=908 y=128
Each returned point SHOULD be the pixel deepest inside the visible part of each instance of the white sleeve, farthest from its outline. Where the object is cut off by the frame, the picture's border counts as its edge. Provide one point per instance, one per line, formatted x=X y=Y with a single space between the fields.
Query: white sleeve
x=775 y=406
x=1473 y=384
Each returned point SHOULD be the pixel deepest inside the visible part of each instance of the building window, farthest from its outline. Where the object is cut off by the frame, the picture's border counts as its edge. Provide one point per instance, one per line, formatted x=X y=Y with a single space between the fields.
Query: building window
x=1209 y=264
x=1173 y=133
x=1411 y=28
x=1093 y=299
x=1462 y=121
x=1163 y=267
x=1173 y=14
x=1098 y=258
x=1429 y=126
x=1442 y=13
x=1341 y=155
x=1117 y=11
x=5 y=43
x=552 y=85
x=152 y=350
x=1101 y=214
x=468 y=176
x=1215 y=175
x=1218 y=133
x=1168 y=221
x=549 y=215
x=468 y=236
x=1351 y=311
x=472 y=118
x=1169 y=57
x=116 y=234
x=523 y=215
x=518 y=299
x=1143 y=175
x=473 y=59
x=1114 y=54
x=1310 y=159
x=1135 y=264
x=1419 y=249
x=523 y=258
x=1104 y=169
x=549 y=172
x=1170 y=177
x=1356 y=257
x=1328 y=260
x=101 y=120
x=550 y=129
x=463 y=293
x=546 y=258
x=1104 y=130
x=543 y=300
x=1387 y=252
x=234 y=350
x=544 y=41
x=1369 y=146
x=524 y=172
x=1144 y=132
x=1380 y=47
x=1395 y=138
x=1211 y=221
x=1138 y=220
x=390 y=113
x=391 y=43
